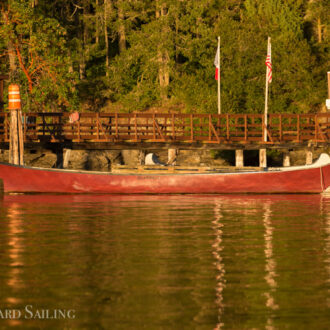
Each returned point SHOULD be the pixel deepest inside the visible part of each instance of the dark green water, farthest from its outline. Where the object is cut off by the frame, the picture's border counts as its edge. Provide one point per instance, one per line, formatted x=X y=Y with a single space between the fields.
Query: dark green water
x=165 y=262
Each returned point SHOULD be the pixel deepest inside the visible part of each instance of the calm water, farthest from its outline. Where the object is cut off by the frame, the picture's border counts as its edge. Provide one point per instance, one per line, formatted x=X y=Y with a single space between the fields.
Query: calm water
x=165 y=262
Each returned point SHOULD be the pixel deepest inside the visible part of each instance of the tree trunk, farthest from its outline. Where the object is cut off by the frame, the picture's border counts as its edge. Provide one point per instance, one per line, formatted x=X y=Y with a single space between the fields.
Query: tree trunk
x=12 y=61
x=319 y=30
x=97 y=26
x=163 y=57
x=83 y=37
x=106 y=36
x=121 y=29
x=11 y=53
x=176 y=38
x=34 y=3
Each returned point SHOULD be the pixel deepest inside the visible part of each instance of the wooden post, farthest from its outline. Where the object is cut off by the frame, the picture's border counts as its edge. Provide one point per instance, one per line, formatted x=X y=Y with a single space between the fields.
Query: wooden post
x=135 y=127
x=98 y=126
x=328 y=84
x=116 y=118
x=153 y=126
x=6 y=126
x=67 y=154
x=268 y=80
x=286 y=158
x=328 y=99
x=309 y=156
x=13 y=147
x=172 y=153
x=20 y=137
x=298 y=128
x=262 y=157
x=219 y=90
x=16 y=143
x=239 y=158
x=142 y=156
x=78 y=128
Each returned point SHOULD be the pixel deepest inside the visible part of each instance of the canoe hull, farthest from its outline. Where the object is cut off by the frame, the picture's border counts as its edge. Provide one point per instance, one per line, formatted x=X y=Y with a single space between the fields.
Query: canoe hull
x=32 y=180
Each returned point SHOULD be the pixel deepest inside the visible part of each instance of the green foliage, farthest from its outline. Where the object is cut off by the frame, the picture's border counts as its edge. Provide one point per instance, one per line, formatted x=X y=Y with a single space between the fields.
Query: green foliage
x=132 y=55
x=39 y=49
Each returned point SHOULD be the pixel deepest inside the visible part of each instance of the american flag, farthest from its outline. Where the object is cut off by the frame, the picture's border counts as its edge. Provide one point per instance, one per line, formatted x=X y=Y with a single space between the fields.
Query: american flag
x=269 y=64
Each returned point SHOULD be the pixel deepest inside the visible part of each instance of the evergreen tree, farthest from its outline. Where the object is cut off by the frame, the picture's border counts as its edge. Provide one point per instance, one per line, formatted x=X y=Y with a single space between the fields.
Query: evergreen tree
x=136 y=54
x=36 y=45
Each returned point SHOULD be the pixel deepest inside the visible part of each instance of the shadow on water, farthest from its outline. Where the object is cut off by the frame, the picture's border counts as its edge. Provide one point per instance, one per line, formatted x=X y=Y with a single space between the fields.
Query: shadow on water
x=136 y=261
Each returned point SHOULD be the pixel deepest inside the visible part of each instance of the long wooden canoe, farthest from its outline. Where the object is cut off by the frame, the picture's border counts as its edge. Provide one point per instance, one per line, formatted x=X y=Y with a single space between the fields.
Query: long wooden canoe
x=313 y=178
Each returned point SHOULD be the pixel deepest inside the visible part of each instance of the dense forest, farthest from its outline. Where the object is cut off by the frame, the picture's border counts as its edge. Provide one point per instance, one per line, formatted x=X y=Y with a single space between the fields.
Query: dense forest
x=135 y=55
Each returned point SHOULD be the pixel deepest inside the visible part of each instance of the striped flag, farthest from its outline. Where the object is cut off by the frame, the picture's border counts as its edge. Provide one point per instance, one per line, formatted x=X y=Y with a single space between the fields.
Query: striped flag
x=269 y=64
x=217 y=64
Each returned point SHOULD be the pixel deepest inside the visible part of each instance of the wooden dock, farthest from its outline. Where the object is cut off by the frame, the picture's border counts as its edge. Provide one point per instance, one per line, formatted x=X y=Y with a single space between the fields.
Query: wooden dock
x=163 y=131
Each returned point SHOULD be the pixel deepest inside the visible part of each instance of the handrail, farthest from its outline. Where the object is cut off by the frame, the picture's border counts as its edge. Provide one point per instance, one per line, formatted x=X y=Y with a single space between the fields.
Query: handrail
x=171 y=128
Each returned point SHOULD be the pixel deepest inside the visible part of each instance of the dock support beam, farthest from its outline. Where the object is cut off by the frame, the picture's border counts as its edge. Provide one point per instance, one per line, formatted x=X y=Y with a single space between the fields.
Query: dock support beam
x=142 y=156
x=16 y=144
x=171 y=156
x=262 y=157
x=309 y=156
x=239 y=158
x=66 y=158
x=16 y=138
x=286 y=159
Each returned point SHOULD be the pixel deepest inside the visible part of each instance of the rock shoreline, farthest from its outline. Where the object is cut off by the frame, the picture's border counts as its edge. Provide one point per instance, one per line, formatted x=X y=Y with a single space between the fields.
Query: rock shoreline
x=104 y=160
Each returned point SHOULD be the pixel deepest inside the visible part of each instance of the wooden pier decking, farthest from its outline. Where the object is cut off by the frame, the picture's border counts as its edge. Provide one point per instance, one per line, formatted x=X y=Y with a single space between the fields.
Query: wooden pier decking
x=162 y=130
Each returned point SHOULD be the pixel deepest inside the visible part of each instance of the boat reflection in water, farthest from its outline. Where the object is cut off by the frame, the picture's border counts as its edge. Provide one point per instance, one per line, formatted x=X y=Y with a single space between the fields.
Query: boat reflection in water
x=325 y=211
x=15 y=260
x=173 y=261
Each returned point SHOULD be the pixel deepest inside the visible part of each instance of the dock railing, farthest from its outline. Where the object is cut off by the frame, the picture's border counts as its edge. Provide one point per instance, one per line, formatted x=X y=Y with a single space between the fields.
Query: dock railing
x=161 y=127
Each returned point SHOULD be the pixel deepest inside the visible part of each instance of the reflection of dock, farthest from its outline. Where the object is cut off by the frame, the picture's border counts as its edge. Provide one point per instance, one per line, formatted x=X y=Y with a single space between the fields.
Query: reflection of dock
x=15 y=248
x=220 y=267
x=270 y=266
x=325 y=211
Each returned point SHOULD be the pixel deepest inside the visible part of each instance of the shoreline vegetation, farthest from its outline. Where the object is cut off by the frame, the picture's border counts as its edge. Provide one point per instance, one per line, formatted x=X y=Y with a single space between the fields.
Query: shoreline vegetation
x=116 y=55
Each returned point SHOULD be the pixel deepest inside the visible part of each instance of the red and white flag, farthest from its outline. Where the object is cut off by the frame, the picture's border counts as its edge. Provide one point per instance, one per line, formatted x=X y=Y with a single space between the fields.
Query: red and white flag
x=269 y=64
x=217 y=64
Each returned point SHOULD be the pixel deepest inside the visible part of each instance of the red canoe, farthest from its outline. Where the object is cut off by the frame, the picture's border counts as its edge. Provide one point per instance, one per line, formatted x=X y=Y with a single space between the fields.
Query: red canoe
x=313 y=178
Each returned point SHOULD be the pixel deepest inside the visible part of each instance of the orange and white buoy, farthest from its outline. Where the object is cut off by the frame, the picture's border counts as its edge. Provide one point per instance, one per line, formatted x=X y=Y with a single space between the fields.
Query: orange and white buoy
x=14 y=98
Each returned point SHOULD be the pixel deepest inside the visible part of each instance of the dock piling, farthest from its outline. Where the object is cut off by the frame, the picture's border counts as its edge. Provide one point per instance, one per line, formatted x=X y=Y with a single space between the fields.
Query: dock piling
x=172 y=153
x=309 y=156
x=262 y=157
x=239 y=158
x=286 y=159
x=16 y=143
x=66 y=158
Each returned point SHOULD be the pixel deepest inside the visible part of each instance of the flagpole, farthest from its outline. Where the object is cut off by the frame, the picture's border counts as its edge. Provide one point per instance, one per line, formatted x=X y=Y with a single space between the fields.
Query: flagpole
x=266 y=93
x=219 y=98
